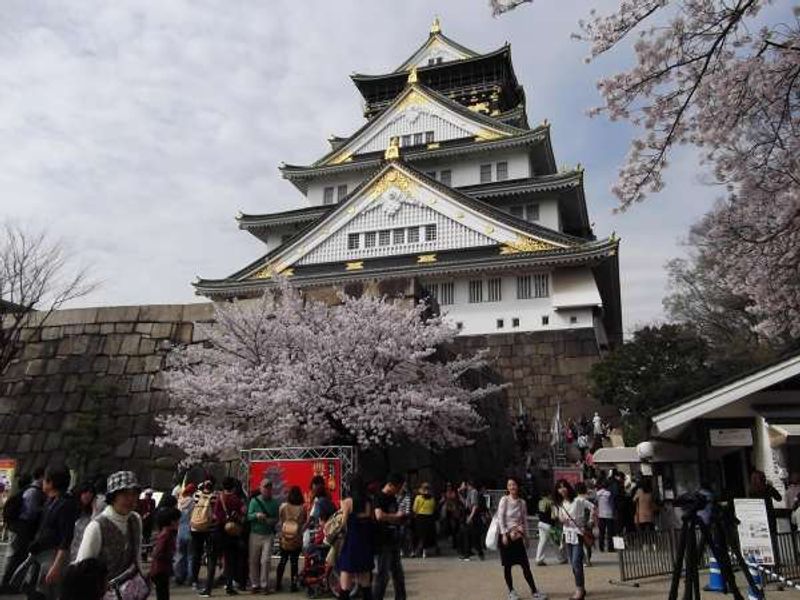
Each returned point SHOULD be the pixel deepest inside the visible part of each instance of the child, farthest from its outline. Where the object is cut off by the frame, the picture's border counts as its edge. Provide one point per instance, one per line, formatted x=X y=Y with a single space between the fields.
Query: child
x=85 y=580
x=164 y=549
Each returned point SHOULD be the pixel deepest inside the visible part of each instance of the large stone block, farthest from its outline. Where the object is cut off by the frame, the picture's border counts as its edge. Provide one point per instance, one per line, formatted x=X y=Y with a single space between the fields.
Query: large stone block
x=161 y=312
x=51 y=333
x=25 y=443
x=135 y=364
x=140 y=383
x=114 y=314
x=162 y=330
x=73 y=316
x=130 y=344
x=74 y=329
x=152 y=363
x=147 y=346
x=125 y=449
x=117 y=364
x=35 y=367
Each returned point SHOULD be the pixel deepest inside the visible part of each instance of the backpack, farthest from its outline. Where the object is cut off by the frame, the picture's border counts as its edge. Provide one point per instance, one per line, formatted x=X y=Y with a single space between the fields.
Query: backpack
x=291 y=532
x=202 y=513
x=12 y=510
x=334 y=528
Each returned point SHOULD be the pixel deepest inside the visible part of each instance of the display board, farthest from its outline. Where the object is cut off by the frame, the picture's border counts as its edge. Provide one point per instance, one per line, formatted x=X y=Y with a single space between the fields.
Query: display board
x=284 y=474
x=755 y=539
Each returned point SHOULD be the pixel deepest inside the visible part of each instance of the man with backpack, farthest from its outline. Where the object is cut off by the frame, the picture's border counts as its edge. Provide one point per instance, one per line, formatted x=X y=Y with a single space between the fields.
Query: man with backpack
x=21 y=515
x=229 y=511
x=202 y=525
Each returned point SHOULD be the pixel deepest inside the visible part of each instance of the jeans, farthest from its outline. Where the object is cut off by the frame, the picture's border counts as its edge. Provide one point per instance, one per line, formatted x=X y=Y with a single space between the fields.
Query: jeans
x=201 y=542
x=544 y=540
x=575 y=553
x=471 y=537
x=227 y=547
x=161 y=583
x=293 y=558
x=388 y=562
x=260 y=557
x=183 y=562
x=606 y=527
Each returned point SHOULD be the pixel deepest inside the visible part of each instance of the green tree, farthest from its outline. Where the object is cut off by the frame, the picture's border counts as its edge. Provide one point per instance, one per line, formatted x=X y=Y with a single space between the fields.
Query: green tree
x=658 y=366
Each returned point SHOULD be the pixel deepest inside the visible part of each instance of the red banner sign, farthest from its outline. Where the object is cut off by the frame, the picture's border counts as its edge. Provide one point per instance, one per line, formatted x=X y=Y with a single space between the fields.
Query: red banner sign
x=285 y=474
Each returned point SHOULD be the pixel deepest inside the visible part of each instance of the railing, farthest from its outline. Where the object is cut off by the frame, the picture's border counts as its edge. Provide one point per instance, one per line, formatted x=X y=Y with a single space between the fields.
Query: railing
x=651 y=554
x=788 y=547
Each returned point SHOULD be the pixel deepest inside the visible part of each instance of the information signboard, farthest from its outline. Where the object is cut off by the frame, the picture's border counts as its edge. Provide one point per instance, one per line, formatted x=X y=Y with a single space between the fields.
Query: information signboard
x=755 y=539
x=285 y=474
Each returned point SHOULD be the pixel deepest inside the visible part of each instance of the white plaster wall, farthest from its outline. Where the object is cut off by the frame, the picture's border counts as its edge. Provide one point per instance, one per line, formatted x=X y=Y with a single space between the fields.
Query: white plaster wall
x=575 y=287
x=316 y=189
x=481 y=318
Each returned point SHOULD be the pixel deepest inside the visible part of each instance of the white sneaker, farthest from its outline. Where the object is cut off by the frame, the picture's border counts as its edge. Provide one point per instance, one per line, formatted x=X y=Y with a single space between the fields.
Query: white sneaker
x=539 y=596
x=512 y=595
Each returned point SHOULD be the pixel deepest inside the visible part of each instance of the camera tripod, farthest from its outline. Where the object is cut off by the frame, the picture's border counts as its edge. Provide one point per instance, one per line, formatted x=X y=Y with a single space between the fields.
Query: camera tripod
x=690 y=553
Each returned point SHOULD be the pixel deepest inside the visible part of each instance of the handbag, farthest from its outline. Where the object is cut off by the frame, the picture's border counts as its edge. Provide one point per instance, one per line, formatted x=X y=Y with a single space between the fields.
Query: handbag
x=493 y=533
x=232 y=527
x=130 y=585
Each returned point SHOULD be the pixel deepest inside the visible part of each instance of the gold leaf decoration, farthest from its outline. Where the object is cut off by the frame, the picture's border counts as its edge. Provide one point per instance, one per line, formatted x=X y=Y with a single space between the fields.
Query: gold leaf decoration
x=525 y=244
x=356 y=265
x=426 y=258
x=392 y=178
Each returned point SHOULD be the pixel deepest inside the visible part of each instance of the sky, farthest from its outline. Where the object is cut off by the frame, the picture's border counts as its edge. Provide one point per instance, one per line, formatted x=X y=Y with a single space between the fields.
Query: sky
x=135 y=130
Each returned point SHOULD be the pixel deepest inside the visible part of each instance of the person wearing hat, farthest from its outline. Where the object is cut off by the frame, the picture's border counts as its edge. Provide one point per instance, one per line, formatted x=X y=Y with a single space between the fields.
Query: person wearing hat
x=115 y=536
x=424 y=510
x=262 y=514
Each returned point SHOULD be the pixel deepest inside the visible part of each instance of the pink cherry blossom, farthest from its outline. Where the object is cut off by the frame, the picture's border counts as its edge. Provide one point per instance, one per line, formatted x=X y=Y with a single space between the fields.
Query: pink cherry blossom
x=288 y=370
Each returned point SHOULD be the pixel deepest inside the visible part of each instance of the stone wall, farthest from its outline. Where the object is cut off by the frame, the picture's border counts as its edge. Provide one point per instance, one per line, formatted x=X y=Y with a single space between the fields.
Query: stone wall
x=544 y=369
x=89 y=382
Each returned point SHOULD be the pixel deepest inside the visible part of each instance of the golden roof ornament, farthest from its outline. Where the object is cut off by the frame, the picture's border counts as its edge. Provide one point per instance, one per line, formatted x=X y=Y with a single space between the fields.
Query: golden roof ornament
x=436 y=26
x=393 y=150
x=412 y=75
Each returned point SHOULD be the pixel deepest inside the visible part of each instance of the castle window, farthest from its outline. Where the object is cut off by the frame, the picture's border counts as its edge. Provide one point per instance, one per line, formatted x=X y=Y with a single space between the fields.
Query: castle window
x=545 y=320
x=418 y=137
x=500 y=323
x=399 y=236
x=439 y=60
x=475 y=291
x=495 y=289
x=524 y=291
x=448 y=294
x=369 y=239
x=518 y=211
x=353 y=241
x=413 y=235
x=541 y=287
x=341 y=192
x=428 y=137
x=486 y=173
x=459 y=325
x=515 y=322
x=446 y=177
x=384 y=237
x=327 y=195
x=502 y=171
x=532 y=212
x=406 y=140
x=431 y=61
x=430 y=232
x=573 y=319
x=431 y=174
x=532 y=286
x=433 y=291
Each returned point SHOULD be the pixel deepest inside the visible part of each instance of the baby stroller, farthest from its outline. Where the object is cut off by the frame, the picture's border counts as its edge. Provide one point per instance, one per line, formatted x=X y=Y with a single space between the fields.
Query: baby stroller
x=319 y=578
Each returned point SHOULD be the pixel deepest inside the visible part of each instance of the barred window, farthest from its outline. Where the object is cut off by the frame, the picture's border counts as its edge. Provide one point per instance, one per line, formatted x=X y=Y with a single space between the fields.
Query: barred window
x=430 y=232
x=353 y=241
x=502 y=171
x=533 y=286
x=495 y=289
x=327 y=195
x=518 y=211
x=448 y=293
x=476 y=291
x=433 y=291
x=418 y=137
x=524 y=291
x=399 y=236
x=431 y=174
x=446 y=177
x=428 y=137
x=341 y=192
x=384 y=237
x=369 y=239
x=486 y=173
x=406 y=140
x=541 y=285
x=532 y=212
x=413 y=235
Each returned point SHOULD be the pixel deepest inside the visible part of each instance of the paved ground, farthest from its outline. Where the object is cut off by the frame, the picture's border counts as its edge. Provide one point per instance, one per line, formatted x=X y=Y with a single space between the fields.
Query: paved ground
x=447 y=578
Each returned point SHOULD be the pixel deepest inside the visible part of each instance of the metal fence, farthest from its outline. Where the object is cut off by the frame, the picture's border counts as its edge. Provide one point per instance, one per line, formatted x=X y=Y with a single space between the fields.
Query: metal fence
x=788 y=547
x=650 y=554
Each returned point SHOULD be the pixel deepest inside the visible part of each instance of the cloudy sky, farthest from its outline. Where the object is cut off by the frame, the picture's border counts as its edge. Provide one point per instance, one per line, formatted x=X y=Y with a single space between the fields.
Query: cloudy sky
x=135 y=130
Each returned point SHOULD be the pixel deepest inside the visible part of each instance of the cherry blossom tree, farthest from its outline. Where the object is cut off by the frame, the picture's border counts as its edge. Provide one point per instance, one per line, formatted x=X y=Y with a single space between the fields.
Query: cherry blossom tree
x=289 y=370
x=723 y=76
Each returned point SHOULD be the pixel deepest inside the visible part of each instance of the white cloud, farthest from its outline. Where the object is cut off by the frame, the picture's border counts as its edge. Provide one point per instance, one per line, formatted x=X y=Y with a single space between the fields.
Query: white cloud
x=136 y=130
